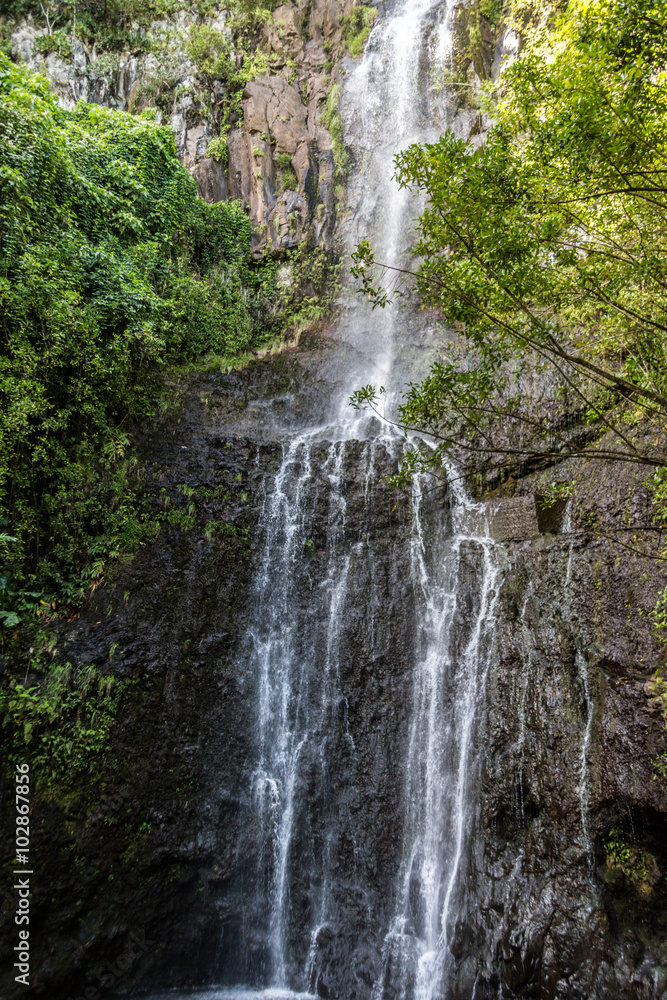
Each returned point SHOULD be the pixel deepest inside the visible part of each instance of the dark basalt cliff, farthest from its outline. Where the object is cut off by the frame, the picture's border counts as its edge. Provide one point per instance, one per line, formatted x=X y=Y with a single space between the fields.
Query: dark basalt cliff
x=139 y=861
x=144 y=877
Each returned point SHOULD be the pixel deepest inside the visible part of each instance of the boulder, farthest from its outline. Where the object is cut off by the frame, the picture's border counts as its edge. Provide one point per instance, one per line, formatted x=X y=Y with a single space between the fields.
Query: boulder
x=211 y=180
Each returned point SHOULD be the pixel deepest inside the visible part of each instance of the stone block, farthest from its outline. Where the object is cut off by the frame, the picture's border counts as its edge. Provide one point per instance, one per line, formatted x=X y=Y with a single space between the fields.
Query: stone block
x=514 y=519
x=521 y=518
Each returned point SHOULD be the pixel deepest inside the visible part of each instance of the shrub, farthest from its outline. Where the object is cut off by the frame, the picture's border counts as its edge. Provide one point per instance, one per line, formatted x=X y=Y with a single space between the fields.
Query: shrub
x=332 y=119
x=288 y=178
x=217 y=149
x=56 y=42
x=212 y=52
x=637 y=865
x=356 y=27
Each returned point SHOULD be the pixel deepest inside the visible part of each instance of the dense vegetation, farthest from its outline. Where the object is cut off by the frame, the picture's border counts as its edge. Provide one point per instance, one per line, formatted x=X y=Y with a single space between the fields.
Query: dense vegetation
x=111 y=267
x=232 y=57
x=122 y=24
x=546 y=245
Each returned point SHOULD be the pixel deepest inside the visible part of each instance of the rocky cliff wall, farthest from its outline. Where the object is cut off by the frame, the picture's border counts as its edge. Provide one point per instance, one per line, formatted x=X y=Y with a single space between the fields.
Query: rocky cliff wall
x=283 y=156
x=563 y=893
x=278 y=156
x=141 y=861
x=567 y=894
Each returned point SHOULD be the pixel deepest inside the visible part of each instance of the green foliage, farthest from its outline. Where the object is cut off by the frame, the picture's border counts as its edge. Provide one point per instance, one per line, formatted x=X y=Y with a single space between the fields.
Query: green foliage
x=288 y=179
x=15 y=605
x=213 y=54
x=110 y=24
x=57 y=42
x=248 y=17
x=113 y=25
x=156 y=90
x=657 y=485
x=224 y=529
x=637 y=865
x=312 y=289
x=179 y=518
x=5 y=38
x=356 y=27
x=287 y=176
x=332 y=119
x=60 y=724
x=656 y=689
x=205 y=492
x=660 y=764
x=492 y=10
x=217 y=149
x=660 y=616
x=556 y=492
x=545 y=246
x=14 y=10
x=110 y=267
x=657 y=488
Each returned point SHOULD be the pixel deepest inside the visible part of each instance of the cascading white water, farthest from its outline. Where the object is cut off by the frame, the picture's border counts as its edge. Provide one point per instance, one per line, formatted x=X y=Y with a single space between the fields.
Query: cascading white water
x=275 y=652
x=292 y=702
x=582 y=670
x=581 y=664
x=388 y=105
x=449 y=687
x=390 y=101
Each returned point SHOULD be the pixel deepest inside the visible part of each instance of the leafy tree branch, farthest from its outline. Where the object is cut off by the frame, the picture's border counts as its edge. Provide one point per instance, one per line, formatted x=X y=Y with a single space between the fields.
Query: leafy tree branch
x=544 y=247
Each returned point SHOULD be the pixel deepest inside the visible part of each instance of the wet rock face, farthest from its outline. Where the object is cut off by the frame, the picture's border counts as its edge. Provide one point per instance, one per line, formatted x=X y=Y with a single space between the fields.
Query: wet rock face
x=563 y=892
x=524 y=517
x=166 y=840
x=567 y=788
x=348 y=708
x=141 y=849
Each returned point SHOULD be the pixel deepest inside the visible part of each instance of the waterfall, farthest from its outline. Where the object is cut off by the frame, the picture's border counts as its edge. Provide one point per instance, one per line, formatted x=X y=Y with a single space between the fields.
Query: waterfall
x=581 y=664
x=296 y=666
x=302 y=595
x=296 y=658
x=295 y=640
x=582 y=670
x=449 y=675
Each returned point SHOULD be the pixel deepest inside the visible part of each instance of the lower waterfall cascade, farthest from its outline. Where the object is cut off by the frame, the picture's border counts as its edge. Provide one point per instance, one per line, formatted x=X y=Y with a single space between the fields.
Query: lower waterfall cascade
x=296 y=658
x=449 y=676
x=312 y=901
